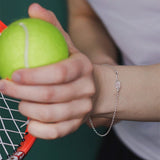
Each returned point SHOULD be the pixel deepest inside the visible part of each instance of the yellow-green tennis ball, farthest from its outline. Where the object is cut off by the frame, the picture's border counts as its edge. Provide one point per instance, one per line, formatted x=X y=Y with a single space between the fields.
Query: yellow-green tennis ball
x=30 y=43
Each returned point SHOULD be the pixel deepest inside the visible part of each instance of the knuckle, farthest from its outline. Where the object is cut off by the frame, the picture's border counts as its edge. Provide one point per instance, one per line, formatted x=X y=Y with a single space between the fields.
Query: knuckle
x=26 y=77
x=48 y=95
x=62 y=73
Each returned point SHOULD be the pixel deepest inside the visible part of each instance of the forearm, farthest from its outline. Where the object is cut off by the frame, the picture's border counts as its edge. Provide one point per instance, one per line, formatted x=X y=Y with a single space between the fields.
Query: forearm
x=139 y=95
x=91 y=38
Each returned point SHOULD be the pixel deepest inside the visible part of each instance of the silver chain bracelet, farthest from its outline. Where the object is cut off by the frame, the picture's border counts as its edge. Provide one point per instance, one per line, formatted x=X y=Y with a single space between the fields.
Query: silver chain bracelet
x=118 y=87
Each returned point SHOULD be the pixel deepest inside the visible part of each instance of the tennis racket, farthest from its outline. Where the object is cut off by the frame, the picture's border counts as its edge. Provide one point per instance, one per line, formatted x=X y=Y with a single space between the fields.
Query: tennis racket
x=15 y=141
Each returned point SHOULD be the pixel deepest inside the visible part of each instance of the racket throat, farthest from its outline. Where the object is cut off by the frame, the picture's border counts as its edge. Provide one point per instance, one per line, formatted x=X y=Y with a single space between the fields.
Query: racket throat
x=17 y=156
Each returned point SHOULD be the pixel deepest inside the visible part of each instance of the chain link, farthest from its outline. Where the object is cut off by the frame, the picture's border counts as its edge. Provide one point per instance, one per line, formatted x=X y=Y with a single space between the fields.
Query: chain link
x=117 y=87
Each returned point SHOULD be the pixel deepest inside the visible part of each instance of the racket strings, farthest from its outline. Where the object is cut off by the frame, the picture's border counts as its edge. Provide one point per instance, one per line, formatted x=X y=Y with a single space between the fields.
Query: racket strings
x=10 y=109
x=11 y=124
x=3 y=145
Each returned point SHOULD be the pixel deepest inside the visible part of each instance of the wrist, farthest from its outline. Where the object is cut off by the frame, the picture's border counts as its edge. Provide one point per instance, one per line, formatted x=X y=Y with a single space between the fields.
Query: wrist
x=104 y=99
x=100 y=110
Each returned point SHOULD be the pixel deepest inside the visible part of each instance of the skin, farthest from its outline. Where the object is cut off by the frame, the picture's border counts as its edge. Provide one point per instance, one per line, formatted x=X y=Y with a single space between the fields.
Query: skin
x=139 y=97
x=54 y=113
x=87 y=84
x=83 y=18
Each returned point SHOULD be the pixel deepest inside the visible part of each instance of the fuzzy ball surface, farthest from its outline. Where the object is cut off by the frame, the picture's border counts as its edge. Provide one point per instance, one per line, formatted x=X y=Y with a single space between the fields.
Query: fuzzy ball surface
x=30 y=43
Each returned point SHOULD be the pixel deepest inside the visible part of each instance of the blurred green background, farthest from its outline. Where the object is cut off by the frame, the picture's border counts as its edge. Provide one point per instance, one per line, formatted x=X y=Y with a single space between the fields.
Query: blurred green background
x=81 y=145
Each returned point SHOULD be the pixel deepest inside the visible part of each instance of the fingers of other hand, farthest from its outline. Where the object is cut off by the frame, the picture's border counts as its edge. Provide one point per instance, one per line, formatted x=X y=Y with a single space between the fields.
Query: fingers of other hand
x=53 y=130
x=56 y=112
x=50 y=94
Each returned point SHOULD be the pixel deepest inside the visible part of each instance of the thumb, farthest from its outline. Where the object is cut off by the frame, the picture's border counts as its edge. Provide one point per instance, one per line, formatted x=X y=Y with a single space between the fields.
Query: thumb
x=37 y=11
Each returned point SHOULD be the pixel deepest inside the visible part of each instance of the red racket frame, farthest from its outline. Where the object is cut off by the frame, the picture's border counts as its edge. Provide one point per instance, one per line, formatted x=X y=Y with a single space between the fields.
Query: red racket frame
x=28 y=139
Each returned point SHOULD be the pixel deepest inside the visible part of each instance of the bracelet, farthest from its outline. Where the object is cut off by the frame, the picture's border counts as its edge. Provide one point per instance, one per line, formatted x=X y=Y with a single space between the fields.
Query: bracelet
x=117 y=87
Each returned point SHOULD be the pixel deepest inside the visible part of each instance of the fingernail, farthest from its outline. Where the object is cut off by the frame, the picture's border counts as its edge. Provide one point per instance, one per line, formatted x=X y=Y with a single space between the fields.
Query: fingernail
x=16 y=77
x=1 y=86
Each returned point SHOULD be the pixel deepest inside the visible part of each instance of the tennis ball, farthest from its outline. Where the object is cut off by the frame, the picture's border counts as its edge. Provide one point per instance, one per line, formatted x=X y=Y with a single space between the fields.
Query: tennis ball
x=30 y=43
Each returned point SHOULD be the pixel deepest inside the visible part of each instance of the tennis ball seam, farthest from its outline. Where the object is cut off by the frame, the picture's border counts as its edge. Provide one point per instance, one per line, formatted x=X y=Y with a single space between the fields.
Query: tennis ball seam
x=26 y=49
x=44 y=45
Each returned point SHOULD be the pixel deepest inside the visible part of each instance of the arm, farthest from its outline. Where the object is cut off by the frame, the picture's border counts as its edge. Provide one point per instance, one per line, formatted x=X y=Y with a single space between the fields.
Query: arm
x=91 y=37
x=89 y=34
x=139 y=97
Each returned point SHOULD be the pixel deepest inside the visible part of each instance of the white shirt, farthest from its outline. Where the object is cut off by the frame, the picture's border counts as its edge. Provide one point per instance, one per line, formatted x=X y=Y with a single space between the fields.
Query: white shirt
x=135 y=27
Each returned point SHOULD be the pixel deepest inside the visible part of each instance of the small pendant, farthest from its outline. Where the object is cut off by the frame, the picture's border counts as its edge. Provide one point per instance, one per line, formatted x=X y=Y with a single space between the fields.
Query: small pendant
x=118 y=85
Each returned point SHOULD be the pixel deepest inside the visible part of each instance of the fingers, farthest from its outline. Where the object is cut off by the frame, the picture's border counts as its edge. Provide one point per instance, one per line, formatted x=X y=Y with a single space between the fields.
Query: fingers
x=62 y=72
x=68 y=70
x=49 y=94
x=36 y=11
x=56 y=112
x=54 y=130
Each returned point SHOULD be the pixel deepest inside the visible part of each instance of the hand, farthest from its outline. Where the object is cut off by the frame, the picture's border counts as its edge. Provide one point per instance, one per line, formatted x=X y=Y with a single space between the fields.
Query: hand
x=57 y=97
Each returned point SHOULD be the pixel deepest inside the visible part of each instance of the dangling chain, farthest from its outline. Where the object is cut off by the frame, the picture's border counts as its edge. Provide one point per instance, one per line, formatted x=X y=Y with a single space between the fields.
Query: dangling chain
x=118 y=87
